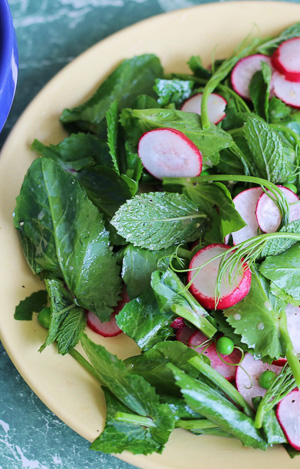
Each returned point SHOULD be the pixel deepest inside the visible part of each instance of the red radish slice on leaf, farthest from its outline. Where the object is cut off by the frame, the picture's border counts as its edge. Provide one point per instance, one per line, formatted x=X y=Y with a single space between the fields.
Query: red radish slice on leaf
x=287 y=91
x=109 y=328
x=184 y=333
x=216 y=105
x=204 y=280
x=267 y=212
x=247 y=376
x=169 y=153
x=243 y=72
x=245 y=203
x=286 y=59
x=225 y=369
x=288 y=415
x=178 y=323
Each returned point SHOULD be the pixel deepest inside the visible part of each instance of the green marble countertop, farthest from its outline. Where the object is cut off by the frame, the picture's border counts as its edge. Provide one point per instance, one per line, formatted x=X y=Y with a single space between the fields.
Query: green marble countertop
x=50 y=34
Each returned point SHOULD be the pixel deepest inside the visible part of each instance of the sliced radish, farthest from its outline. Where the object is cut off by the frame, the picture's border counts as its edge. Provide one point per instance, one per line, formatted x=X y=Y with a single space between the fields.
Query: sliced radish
x=204 y=281
x=243 y=72
x=216 y=105
x=169 y=153
x=267 y=212
x=109 y=328
x=295 y=211
x=287 y=91
x=288 y=415
x=178 y=323
x=286 y=59
x=245 y=203
x=293 y=325
x=225 y=369
x=247 y=376
x=184 y=333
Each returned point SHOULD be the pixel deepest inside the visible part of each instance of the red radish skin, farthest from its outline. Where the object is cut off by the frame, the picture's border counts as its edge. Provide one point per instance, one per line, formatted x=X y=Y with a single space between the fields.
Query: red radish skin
x=245 y=203
x=226 y=370
x=288 y=415
x=286 y=59
x=249 y=388
x=109 y=328
x=244 y=71
x=268 y=214
x=184 y=333
x=169 y=153
x=178 y=323
x=287 y=91
x=216 y=105
x=203 y=284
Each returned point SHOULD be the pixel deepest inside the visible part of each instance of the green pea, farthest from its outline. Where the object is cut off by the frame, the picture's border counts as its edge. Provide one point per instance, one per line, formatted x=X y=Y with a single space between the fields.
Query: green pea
x=44 y=317
x=292 y=187
x=266 y=379
x=225 y=346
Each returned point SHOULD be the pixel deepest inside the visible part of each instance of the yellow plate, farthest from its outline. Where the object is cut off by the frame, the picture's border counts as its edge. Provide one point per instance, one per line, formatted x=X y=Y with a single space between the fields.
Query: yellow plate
x=59 y=381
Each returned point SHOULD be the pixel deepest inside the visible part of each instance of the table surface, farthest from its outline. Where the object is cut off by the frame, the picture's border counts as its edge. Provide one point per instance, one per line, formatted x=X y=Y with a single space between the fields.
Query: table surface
x=50 y=34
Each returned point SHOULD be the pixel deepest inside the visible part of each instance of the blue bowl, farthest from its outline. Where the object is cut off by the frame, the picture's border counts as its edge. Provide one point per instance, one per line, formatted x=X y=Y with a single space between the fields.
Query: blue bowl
x=8 y=61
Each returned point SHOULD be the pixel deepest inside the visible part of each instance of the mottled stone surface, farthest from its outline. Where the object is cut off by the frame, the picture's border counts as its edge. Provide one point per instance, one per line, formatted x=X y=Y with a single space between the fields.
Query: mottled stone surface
x=50 y=34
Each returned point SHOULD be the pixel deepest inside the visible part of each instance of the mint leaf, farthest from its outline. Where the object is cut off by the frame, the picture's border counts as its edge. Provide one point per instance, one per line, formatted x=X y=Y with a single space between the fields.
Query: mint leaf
x=70 y=330
x=259 y=90
x=267 y=150
x=32 y=304
x=158 y=220
x=112 y=133
x=277 y=246
x=173 y=91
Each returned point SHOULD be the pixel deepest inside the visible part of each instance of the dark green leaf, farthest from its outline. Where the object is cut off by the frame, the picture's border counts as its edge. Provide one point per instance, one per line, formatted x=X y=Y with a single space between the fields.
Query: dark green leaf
x=278 y=110
x=130 y=79
x=112 y=133
x=268 y=46
x=158 y=220
x=259 y=90
x=179 y=408
x=32 y=304
x=292 y=452
x=197 y=68
x=70 y=330
x=173 y=91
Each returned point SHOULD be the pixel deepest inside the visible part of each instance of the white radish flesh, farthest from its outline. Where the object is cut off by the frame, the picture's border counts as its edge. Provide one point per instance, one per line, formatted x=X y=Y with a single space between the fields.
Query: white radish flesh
x=203 y=285
x=288 y=415
x=247 y=376
x=293 y=325
x=216 y=105
x=243 y=72
x=169 y=153
x=286 y=59
x=287 y=91
x=245 y=203
x=267 y=212
x=225 y=369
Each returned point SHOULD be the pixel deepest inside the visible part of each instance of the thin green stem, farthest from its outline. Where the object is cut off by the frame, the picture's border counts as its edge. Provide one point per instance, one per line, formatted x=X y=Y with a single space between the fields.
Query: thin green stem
x=196 y=424
x=83 y=362
x=134 y=419
x=290 y=353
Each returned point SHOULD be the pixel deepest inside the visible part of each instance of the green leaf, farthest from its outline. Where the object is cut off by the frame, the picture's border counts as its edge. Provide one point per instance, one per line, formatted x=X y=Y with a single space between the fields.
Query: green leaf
x=267 y=150
x=276 y=246
x=32 y=304
x=284 y=271
x=179 y=408
x=76 y=152
x=209 y=403
x=130 y=79
x=209 y=141
x=70 y=330
x=112 y=133
x=158 y=220
x=278 y=110
x=256 y=319
x=138 y=265
x=283 y=295
x=119 y=436
x=259 y=90
x=142 y=320
x=68 y=236
x=268 y=46
x=173 y=91
x=197 y=68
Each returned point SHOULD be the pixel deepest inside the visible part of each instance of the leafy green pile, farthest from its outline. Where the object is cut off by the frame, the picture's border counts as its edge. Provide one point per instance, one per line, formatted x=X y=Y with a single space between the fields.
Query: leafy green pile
x=92 y=220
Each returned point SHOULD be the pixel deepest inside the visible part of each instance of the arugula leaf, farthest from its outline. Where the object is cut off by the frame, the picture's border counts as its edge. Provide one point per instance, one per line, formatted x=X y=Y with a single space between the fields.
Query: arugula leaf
x=274 y=247
x=76 y=152
x=138 y=265
x=267 y=150
x=284 y=271
x=209 y=403
x=256 y=319
x=112 y=133
x=173 y=91
x=119 y=436
x=142 y=320
x=259 y=90
x=130 y=79
x=34 y=303
x=209 y=141
x=158 y=220
x=68 y=236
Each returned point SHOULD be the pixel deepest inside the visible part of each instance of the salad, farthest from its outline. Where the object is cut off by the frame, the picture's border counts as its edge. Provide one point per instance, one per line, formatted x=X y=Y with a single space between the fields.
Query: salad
x=170 y=214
